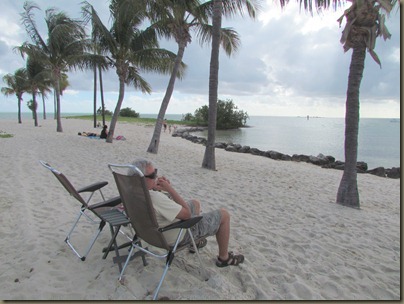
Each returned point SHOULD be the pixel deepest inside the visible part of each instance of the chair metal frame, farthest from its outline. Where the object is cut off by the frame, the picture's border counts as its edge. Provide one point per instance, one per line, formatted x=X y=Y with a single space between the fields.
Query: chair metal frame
x=139 y=208
x=114 y=217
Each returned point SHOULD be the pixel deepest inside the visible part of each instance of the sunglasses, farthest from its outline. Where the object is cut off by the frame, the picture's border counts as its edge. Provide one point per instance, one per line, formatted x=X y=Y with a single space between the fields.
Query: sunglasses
x=153 y=175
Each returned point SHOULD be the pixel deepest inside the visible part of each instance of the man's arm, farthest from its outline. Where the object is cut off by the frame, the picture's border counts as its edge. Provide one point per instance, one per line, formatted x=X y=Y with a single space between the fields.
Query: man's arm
x=164 y=185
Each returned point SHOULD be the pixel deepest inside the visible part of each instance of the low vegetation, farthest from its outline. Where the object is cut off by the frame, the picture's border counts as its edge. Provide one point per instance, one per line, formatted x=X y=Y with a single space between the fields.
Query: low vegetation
x=228 y=116
x=5 y=135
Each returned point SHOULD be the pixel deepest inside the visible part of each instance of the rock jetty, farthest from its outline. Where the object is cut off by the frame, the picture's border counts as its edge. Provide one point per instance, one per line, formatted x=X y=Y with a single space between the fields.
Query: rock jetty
x=325 y=161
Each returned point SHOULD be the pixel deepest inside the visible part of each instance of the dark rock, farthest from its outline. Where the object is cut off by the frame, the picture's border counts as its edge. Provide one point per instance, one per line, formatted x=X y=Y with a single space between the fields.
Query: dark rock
x=220 y=145
x=379 y=171
x=237 y=146
x=244 y=149
x=300 y=158
x=286 y=157
x=255 y=151
x=319 y=160
x=393 y=172
x=231 y=148
x=362 y=167
x=275 y=155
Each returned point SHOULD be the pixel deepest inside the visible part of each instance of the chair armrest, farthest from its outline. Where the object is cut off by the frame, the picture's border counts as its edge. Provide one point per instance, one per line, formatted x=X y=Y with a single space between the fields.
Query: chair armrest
x=93 y=187
x=182 y=224
x=112 y=202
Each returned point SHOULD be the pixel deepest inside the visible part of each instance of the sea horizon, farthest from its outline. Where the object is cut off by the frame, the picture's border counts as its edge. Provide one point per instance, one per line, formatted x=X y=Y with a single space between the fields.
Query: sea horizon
x=378 y=141
x=154 y=115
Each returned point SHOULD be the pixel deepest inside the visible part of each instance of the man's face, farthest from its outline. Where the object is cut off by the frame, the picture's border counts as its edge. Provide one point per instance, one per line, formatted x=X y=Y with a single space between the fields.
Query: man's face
x=150 y=177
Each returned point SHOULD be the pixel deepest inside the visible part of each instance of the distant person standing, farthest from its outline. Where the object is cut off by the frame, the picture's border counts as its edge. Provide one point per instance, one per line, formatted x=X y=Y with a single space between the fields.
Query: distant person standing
x=165 y=125
x=104 y=132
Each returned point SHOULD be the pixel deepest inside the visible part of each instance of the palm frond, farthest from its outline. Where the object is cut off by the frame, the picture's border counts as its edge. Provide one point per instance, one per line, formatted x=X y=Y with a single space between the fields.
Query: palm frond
x=30 y=24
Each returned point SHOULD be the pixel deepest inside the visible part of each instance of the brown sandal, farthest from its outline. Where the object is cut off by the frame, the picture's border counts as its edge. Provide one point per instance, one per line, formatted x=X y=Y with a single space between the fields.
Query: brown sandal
x=200 y=244
x=232 y=260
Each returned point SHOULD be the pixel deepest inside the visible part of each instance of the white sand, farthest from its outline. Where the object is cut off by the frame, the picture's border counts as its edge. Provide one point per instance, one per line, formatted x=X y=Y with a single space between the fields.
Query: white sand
x=297 y=242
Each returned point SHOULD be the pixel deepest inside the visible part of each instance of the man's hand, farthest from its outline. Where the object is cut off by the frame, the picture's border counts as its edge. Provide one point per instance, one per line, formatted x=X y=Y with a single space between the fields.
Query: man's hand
x=163 y=184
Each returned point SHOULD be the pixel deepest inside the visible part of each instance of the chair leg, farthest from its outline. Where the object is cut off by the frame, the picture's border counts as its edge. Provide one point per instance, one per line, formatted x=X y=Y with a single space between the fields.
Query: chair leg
x=92 y=241
x=91 y=244
x=156 y=293
x=204 y=274
x=126 y=262
x=67 y=239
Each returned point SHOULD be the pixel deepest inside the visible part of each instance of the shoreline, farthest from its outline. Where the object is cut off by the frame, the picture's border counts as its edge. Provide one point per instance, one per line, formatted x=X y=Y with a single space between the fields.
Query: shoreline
x=327 y=162
x=297 y=242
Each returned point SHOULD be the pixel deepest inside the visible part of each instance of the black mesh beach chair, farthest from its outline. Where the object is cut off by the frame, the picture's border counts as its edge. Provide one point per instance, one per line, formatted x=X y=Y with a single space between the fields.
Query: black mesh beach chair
x=103 y=215
x=139 y=208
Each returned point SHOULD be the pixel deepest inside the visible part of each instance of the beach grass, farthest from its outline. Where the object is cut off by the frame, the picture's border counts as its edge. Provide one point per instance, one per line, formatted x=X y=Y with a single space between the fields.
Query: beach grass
x=5 y=135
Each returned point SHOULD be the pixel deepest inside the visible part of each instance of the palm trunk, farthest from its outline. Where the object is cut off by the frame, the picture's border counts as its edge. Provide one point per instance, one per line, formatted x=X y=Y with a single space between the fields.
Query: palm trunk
x=209 y=161
x=155 y=141
x=54 y=104
x=114 y=119
x=95 y=96
x=102 y=97
x=58 y=119
x=19 y=109
x=348 y=194
x=44 y=108
x=34 y=106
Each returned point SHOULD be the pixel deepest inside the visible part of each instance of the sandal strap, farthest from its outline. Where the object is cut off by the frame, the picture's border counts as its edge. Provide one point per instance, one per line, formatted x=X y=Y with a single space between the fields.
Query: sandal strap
x=232 y=260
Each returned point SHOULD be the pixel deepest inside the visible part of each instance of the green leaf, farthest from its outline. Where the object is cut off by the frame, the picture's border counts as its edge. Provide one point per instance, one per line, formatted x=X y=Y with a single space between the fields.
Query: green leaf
x=375 y=57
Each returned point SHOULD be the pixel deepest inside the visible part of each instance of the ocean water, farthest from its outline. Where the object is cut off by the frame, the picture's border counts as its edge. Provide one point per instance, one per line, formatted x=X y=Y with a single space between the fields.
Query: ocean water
x=378 y=142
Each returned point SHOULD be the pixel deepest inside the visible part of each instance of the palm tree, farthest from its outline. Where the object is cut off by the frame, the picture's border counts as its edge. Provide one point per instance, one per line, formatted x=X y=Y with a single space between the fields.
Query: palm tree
x=44 y=92
x=16 y=84
x=38 y=80
x=131 y=50
x=364 y=23
x=98 y=68
x=175 y=19
x=63 y=50
x=102 y=96
x=226 y=8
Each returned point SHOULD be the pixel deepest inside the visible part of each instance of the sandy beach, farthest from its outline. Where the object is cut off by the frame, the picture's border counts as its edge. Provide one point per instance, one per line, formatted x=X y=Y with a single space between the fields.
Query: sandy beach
x=298 y=244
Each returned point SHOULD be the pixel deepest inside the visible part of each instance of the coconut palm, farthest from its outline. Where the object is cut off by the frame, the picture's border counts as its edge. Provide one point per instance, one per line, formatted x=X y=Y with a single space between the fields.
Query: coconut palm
x=131 y=50
x=44 y=92
x=64 y=48
x=219 y=8
x=175 y=19
x=364 y=23
x=16 y=84
x=38 y=80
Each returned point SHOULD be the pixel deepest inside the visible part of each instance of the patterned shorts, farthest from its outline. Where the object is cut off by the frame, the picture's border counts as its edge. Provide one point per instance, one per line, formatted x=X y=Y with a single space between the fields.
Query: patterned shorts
x=207 y=226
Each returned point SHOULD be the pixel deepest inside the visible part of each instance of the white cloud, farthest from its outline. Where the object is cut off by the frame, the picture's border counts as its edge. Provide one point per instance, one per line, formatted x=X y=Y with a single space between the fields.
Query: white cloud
x=289 y=63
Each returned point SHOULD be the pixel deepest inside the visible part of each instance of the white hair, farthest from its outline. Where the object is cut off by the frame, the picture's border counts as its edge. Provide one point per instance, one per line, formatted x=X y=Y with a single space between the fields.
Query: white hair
x=141 y=164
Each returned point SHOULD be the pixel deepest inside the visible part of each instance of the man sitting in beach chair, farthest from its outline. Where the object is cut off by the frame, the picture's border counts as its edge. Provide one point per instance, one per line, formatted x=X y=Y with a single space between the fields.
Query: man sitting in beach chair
x=171 y=207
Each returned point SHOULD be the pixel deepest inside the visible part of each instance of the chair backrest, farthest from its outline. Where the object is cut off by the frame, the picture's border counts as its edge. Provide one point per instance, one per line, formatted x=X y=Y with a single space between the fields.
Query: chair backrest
x=138 y=205
x=65 y=182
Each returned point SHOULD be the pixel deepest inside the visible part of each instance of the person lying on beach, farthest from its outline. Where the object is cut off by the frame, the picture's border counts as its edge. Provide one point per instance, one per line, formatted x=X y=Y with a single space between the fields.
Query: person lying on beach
x=171 y=207
x=89 y=134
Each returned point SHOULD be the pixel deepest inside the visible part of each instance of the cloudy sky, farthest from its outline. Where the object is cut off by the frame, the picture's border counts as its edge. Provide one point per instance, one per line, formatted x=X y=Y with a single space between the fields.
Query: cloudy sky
x=289 y=64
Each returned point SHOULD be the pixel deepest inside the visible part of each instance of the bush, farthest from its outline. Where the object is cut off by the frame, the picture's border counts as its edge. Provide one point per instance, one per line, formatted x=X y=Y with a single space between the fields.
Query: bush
x=106 y=112
x=227 y=116
x=187 y=117
x=128 y=112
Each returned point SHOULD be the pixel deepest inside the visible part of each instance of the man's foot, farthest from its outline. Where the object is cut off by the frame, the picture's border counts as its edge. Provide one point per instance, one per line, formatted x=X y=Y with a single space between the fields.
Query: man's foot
x=232 y=260
x=200 y=244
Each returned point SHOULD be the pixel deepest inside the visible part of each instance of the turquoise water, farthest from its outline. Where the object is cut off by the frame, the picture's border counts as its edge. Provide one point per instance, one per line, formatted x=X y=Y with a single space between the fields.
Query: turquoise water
x=379 y=138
